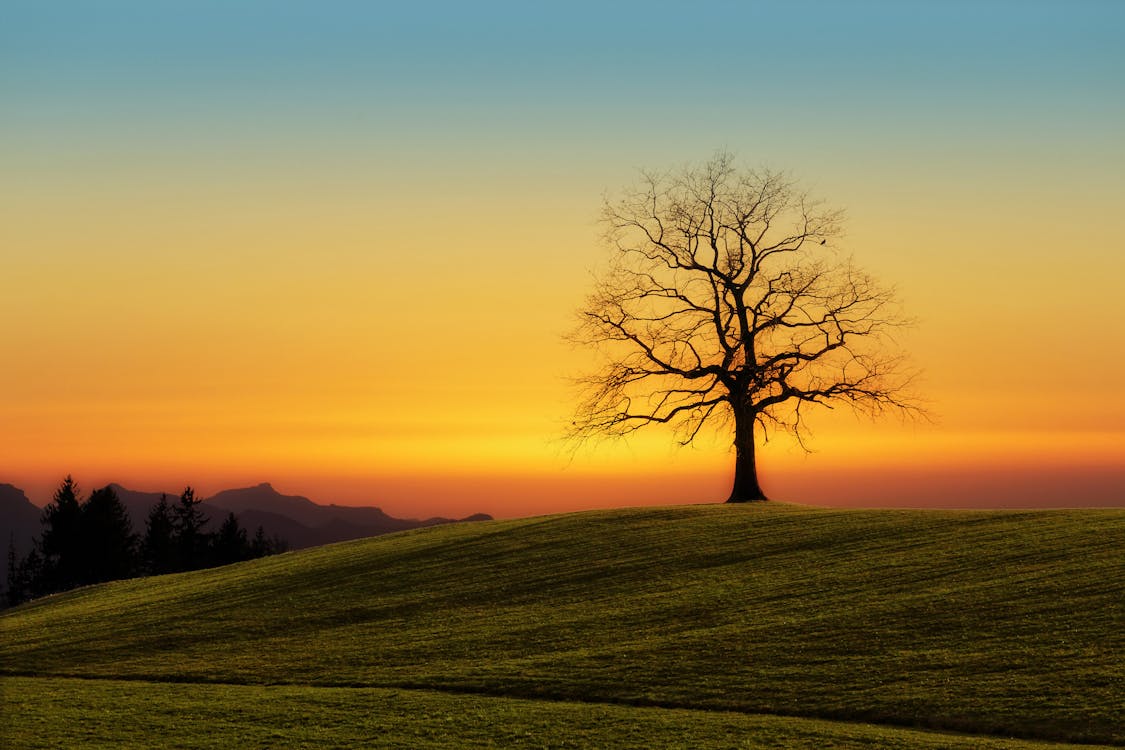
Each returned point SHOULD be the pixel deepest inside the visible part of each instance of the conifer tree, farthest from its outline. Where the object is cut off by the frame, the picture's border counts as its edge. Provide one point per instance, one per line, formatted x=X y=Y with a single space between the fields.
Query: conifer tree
x=259 y=545
x=61 y=541
x=158 y=550
x=109 y=546
x=191 y=541
x=231 y=544
x=30 y=580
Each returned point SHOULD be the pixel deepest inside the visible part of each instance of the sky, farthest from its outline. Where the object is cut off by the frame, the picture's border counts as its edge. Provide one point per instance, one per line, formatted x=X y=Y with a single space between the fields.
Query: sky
x=335 y=245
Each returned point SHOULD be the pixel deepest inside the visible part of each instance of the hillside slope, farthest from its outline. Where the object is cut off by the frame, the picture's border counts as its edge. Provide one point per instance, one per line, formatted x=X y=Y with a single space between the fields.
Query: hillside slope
x=1004 y=623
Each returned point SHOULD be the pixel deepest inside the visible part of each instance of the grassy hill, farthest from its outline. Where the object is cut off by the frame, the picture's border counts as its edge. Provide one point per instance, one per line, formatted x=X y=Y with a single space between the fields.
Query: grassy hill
x=989 y=623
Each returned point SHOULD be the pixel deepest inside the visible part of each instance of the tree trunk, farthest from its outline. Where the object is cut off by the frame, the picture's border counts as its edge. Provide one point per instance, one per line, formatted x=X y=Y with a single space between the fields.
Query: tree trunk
x=746 y=489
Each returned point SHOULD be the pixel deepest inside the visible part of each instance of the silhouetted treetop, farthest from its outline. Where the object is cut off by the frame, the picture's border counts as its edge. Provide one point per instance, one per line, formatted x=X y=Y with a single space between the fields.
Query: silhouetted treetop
x=727 y=304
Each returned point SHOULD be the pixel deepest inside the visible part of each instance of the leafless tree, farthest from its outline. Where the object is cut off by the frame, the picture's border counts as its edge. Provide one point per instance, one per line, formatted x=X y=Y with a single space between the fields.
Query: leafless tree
x=726 y=304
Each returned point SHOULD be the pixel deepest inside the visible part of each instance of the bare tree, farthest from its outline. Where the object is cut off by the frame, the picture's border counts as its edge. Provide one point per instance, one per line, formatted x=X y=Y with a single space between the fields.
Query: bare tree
x=726 y=304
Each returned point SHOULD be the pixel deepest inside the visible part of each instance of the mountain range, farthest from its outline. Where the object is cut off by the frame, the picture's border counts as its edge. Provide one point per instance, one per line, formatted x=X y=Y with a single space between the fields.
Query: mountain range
x=294 y=519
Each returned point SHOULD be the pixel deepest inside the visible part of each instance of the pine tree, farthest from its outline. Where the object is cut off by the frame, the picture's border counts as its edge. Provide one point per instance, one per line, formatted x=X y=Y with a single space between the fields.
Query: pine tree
x=31 y=579
x=230 y=543
x=61 y=541
x=191 y=541
x=259 y=545
x=158 y=550
x=109 y=545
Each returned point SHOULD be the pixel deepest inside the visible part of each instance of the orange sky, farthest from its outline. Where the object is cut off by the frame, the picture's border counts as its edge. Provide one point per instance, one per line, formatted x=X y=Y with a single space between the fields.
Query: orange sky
x=346 y=269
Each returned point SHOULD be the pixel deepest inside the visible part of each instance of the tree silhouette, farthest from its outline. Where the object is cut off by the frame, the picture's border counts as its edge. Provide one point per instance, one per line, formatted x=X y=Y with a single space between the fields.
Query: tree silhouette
x=261 y=545
x=230 y=544
x=109 y=546
x=60 y=544
x=191 y=541
x=158 y=550
x=93 y=541
x=726 y=304
x=29 y=580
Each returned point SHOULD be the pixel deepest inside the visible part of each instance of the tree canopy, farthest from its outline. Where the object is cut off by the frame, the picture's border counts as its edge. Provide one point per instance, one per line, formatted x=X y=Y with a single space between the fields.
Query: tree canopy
x=726 y=303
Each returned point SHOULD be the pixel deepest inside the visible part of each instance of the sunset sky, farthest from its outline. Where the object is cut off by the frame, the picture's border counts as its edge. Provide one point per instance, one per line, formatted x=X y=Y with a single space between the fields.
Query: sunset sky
x=335 y=245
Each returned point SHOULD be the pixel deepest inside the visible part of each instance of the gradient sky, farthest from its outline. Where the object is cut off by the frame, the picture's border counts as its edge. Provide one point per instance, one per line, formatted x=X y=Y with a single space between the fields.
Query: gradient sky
x=334 y=245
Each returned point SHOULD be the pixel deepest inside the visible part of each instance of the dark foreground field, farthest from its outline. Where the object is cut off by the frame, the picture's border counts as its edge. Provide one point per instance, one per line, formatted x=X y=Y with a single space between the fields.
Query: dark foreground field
x=761 y=626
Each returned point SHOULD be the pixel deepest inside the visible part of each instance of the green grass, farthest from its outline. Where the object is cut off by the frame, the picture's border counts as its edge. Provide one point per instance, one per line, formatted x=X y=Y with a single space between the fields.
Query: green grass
x=982 y=622
x=51 y=713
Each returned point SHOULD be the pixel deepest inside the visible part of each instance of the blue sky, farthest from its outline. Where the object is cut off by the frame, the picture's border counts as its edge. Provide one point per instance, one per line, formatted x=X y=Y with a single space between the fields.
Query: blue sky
x=648 y=67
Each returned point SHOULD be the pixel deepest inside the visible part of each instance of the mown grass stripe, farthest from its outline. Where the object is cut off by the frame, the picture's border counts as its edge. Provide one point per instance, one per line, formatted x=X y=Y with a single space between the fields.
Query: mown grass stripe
x=53 y=712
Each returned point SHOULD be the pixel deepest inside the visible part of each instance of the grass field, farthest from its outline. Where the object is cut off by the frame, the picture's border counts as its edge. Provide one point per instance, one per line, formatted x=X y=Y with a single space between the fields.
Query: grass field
x=687 y=621
x=53 y=713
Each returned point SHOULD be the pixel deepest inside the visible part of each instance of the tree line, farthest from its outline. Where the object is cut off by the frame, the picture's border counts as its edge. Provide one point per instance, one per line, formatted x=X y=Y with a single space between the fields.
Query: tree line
x=92 y=541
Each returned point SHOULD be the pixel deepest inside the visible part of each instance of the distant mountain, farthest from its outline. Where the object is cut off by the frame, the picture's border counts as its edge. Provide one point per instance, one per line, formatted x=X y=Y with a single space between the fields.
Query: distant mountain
x=19 y=522
x=310 y=523
x=295 y=534
x=16 y=511
x=294 y=519
x=265 y=497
